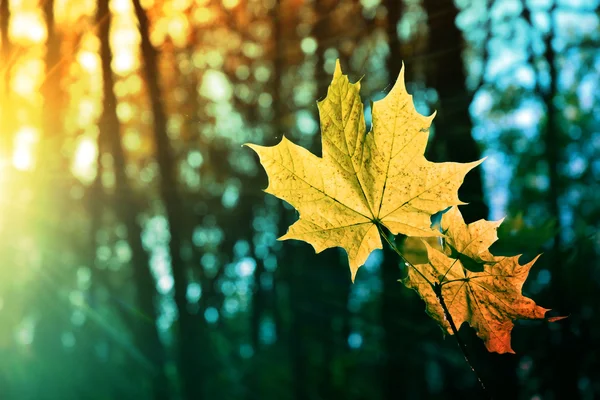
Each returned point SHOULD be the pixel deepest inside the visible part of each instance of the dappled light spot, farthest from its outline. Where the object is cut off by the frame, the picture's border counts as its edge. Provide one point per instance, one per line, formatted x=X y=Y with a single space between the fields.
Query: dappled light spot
x=270 y=262
x=89 y=61
x=84 y=162
x=308 y=45
x=231 y=195
x=132 y=140
x=306 y=123
x=543 y=278
x=25 y=331
x=268 y=334
x=245 y=267
x=165 y=284
x=231 y=307
x=195 y=159
x=262 y=73
x=229 y=4
x=78 y=317
x=227 y=287
x=84 y=275
x=77 y=298
x=241 y=248
x=22 y=158
x=265 y=100
x=125 y=111
x=123 y=251
x=123 y=62
x=209 y=261
x=355 y=340
x=207 y=236
x=216 y=86
x=27 y=27
x=211 y=315
x=193 y=293
x=246 y=351
x=68 y=339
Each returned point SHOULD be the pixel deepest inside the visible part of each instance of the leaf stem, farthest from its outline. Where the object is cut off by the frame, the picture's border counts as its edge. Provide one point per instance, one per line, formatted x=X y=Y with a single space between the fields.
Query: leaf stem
x=437 y=289
x=397 y=251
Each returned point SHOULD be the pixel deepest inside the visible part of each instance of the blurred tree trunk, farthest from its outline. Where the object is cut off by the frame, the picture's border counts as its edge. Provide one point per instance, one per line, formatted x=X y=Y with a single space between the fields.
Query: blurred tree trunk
x=288 y=272
x=552 y=146
x=298 y=334
x=394 y=61
x=330 y=306
x=5 y=150
x=48 y=210
x=564 y=285
x=453 y=141
x=145 y=331
x=193 y=347
x=445 y=73
x=94 y=198
x=261 y=300
x=401 y=359
x=5 y=71
x=401 y=313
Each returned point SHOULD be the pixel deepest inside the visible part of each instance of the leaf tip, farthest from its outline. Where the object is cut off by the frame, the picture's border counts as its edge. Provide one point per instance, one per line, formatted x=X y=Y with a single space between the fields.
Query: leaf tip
x=338 y=68
x=478 y=162
x=554 y=319
x=432 y=116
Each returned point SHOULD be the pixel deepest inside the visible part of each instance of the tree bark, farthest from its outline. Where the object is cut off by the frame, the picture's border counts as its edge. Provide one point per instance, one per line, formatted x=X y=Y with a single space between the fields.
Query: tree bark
x=146 y=335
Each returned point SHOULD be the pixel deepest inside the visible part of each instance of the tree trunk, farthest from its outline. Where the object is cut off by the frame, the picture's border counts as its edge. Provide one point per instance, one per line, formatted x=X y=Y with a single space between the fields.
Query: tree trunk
x=5 y=70
x=394 y=61
x=5 y=145
x=330 y=304
x=564 y=282
x=400 y=359
x=193 y=363
x=49 y=206
x=453 y=141
x=445 y=73
x=146 y=334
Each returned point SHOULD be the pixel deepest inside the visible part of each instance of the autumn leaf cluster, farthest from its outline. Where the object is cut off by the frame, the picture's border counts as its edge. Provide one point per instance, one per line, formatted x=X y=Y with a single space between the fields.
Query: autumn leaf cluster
x=367 y=181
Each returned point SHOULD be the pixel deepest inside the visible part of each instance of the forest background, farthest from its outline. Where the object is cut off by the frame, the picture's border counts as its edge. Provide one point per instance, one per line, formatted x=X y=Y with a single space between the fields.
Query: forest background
x=138 y=254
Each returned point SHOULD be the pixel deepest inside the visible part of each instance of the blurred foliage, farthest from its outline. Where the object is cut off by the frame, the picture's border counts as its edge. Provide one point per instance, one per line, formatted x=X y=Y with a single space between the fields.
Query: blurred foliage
x=115 y=284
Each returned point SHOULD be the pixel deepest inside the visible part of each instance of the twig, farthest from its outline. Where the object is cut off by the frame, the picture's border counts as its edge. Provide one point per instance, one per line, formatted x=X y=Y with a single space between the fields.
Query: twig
x=437 y=289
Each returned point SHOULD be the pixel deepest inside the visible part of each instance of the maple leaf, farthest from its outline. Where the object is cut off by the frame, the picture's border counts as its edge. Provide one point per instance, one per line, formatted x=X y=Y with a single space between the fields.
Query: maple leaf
x=489 y=301
x=362 y=179
x=469 y=243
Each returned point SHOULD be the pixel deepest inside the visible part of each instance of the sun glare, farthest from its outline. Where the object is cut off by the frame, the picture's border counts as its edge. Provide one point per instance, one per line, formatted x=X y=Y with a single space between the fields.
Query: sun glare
x=26 y=77
x=89 y=61
x=84 y=162
x=27 y=27
x=24 y=144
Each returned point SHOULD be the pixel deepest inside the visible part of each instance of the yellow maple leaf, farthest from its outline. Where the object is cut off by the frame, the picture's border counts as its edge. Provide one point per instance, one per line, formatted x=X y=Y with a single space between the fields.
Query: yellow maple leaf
x=489 y=301
x=469 y=243
x=362 y=179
